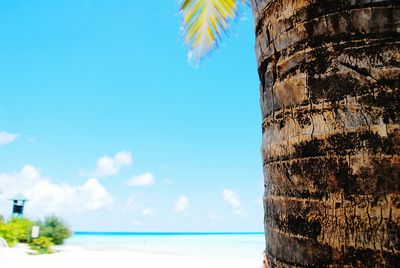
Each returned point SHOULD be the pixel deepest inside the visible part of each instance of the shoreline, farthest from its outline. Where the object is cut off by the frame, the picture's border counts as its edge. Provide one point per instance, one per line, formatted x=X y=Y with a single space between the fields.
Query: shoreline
x=165 y=233
x=77 y=257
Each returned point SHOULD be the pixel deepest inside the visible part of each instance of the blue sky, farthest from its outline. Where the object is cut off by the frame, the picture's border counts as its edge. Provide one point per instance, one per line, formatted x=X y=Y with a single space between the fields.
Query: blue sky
x=104 y=122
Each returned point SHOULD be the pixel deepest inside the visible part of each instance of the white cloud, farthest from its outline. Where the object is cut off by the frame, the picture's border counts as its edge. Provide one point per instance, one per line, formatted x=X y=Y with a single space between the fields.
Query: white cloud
x=233 y=200
x=147 y=212
x=145 y=179
x=6 y=137
x=109 y=166
x=47 y=197
x=93 y=194
x=181 y=204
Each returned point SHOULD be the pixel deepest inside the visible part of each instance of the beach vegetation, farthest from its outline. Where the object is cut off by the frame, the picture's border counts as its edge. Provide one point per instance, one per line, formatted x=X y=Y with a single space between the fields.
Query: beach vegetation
x=23 y=227
x=53 y=231
x=9 y=234
x=54 y=228
x=16 y=230
x=42 y=245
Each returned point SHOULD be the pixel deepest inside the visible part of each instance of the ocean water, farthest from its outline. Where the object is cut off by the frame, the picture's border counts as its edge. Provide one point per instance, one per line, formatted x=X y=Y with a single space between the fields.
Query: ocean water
x=243 y=246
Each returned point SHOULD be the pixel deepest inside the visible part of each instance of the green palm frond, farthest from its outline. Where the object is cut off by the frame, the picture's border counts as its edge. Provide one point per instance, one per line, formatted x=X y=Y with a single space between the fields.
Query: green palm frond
x=204 y=21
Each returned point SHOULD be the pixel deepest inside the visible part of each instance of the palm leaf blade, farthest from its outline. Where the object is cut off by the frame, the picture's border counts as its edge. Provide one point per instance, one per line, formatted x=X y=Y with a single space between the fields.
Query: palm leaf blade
x=204 y=21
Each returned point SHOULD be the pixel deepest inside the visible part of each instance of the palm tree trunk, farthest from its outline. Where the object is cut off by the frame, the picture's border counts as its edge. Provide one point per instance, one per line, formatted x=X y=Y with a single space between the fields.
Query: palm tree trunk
x=330 y=98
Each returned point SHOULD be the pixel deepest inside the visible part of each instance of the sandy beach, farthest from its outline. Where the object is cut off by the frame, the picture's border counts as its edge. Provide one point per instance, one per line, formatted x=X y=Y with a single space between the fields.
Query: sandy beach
x=75 y=257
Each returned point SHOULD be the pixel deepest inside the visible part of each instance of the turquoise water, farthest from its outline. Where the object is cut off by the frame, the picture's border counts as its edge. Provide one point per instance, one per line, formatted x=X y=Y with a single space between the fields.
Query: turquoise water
x=245 y=246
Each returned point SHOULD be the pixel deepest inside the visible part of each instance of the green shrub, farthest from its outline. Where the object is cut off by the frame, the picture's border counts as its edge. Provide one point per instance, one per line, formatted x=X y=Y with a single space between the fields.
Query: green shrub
x=43 y=245
x=9 y=234
x=16 y=230
x=23 y=228
x=55 y=228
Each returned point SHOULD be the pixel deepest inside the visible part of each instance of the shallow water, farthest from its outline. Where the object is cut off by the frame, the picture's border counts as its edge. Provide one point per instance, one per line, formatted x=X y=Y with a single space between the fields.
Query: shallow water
x=244 y=246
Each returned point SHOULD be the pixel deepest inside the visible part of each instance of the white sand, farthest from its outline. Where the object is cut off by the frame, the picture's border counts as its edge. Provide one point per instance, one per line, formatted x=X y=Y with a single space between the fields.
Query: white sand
x=73 y=257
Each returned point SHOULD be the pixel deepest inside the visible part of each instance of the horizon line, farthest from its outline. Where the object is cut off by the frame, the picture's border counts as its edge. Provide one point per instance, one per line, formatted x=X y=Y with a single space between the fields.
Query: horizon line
x=164 y=233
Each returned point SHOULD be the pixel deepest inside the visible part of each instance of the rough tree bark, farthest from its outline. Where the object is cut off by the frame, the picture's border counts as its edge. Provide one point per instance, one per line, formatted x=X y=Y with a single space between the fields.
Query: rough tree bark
x=330 y=98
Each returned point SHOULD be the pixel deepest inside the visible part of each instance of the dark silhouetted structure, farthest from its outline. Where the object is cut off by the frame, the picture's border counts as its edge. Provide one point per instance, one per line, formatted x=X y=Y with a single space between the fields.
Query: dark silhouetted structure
x=18 y=205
